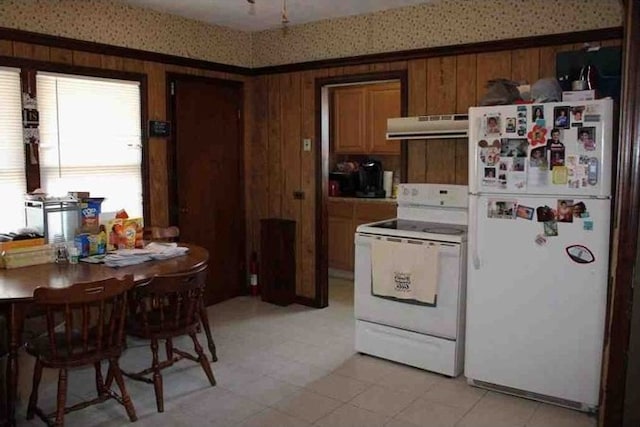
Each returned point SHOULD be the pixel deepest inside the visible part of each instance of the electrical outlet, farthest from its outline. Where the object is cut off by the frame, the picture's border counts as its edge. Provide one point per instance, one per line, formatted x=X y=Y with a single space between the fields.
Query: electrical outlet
x=306 y=144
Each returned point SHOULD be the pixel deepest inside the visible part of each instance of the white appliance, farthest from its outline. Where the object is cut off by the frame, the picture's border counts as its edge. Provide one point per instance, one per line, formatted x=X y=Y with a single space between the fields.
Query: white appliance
x=425 y=336
x=539 y=225
x=428 y=127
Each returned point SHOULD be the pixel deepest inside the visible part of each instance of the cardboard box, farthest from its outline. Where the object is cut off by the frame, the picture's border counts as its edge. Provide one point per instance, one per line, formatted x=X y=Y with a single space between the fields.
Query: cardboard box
x=15 y=244
x=579 y=95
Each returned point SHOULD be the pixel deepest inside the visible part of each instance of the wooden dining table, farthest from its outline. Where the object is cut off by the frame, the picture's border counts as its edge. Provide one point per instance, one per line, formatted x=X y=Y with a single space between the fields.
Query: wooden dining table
x=16 y=294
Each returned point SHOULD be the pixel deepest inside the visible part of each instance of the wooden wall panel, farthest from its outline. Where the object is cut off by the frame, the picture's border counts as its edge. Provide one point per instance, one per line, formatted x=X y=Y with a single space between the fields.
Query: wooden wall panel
x=274 y=147
x=258 y=176
x=87 y=59
x=62 y=56
x=31 y=51
x=417 y=149
x=157 y=147
x=111 y=62
x=6 y=48
x=490 y=66
x=290 y=104
x=525 y=65
x=441 y=99
x=465 y=83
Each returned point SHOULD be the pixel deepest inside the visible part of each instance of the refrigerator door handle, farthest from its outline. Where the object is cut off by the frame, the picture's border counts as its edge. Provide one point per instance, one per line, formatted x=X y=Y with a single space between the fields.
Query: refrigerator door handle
x=473 y=230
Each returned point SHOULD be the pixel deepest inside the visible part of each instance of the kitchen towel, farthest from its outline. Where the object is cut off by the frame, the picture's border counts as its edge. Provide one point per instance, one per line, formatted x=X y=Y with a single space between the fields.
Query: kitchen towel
x=405 y=271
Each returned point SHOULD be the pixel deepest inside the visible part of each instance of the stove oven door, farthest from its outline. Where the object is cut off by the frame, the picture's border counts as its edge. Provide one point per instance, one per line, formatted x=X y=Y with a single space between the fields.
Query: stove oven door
x=442 y=320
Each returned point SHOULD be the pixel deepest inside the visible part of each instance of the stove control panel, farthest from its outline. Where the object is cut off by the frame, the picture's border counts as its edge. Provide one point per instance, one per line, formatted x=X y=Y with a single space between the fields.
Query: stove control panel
x=454 y=196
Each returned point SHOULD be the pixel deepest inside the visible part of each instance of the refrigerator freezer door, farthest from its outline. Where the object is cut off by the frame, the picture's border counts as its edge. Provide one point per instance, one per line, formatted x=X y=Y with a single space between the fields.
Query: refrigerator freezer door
x=536 y=303
x=553 y=148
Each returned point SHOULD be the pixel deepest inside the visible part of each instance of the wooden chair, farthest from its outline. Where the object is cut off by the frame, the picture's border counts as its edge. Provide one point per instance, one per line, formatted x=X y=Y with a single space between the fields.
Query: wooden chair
x=85 y=324
x=171 y=234
x=161 y=234
x=165 y=308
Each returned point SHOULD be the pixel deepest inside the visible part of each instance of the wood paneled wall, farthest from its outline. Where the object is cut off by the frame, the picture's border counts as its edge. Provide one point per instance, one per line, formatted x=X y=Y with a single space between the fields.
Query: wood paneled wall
x=156 y=103
x=280 y=113
x=284 y=114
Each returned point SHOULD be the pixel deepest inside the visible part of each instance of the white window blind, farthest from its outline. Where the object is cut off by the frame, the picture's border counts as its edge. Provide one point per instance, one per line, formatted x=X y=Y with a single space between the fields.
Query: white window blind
x=13 y=183
x=90 y=139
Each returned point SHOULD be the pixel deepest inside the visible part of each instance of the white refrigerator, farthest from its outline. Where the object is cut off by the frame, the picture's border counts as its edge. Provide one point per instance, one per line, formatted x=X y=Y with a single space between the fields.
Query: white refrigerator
x=539 y=226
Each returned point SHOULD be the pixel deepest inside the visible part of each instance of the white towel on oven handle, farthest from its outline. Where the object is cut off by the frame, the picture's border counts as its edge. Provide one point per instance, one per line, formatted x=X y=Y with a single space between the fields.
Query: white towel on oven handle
x=406 y=271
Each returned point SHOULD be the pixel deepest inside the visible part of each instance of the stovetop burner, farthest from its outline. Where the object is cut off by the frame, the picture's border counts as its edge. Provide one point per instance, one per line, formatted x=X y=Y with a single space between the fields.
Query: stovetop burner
x=420 y=226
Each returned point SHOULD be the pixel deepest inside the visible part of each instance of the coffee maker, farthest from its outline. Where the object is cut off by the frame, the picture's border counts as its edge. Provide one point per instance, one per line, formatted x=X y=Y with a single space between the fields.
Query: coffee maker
x=371 y=175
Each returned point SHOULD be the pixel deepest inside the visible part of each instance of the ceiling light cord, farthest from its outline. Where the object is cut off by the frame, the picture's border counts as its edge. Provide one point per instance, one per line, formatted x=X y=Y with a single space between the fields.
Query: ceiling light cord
x=285 y=16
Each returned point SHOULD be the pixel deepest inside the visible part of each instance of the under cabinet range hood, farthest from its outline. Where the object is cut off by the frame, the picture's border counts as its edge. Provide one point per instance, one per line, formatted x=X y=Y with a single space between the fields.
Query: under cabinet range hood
x=428 y=127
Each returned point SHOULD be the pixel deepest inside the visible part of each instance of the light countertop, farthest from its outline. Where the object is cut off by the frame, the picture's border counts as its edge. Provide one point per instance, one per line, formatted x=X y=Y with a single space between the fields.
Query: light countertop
x=364 y=200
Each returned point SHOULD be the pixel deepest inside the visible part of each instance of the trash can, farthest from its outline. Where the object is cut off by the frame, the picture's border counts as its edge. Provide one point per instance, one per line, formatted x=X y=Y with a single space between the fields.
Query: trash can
x=278 y=260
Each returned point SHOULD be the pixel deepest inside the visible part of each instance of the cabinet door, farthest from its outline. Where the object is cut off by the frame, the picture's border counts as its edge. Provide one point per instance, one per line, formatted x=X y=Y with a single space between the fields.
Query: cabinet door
x=383 y=102
x=341 y=243
x=372 y=212
x=349 y=120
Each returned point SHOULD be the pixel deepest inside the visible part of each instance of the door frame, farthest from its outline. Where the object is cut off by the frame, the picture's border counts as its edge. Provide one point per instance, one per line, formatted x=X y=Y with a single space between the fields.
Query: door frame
x=322 y=137
x=621 y=384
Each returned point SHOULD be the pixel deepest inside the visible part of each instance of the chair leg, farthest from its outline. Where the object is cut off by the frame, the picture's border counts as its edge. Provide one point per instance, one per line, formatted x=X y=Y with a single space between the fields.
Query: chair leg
x=204 y=320
x=33 y=399
x=62 y=397
x=169 y=348
x=100 y=384
x=202 y=358
x=157 y=376
x=126 y=399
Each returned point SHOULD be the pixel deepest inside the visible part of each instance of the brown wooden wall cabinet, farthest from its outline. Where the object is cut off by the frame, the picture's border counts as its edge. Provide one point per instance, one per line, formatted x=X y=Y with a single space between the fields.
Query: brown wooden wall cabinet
x=360 y=116
x=345 y=215
x=278 y=260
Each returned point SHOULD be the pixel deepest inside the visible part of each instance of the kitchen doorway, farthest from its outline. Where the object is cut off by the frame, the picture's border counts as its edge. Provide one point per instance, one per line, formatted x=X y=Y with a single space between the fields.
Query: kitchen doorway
x=325 y=221
x=206 y=185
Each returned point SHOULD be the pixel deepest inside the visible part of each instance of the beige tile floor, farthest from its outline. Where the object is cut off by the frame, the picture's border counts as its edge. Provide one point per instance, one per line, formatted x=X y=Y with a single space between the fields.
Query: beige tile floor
x=294 y=367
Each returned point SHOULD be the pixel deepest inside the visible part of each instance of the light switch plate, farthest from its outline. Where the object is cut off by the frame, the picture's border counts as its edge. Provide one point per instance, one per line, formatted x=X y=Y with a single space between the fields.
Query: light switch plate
x=306 y=144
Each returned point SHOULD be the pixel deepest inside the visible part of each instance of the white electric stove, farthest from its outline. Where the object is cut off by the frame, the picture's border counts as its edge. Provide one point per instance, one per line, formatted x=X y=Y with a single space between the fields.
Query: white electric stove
x=430 y=337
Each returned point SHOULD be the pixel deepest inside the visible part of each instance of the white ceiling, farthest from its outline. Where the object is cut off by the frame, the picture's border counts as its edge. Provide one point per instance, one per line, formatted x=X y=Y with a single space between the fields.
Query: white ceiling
x=235 y=13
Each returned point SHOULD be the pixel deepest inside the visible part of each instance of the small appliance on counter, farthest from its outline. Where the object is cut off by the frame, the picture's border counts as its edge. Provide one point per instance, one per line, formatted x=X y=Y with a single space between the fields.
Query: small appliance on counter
x=371 y=175
x=347 y=183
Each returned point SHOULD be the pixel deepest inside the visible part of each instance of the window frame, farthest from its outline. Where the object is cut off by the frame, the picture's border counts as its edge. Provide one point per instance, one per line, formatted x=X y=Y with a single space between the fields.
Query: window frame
x=30 y=67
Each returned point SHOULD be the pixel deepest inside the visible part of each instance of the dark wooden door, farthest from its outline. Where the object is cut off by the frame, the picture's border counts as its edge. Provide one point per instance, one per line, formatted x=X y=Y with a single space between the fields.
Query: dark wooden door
x=207 y=194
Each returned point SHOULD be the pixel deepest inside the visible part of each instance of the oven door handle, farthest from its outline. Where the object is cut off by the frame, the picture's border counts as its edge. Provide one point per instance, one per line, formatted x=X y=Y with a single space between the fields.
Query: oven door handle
x=473 y=230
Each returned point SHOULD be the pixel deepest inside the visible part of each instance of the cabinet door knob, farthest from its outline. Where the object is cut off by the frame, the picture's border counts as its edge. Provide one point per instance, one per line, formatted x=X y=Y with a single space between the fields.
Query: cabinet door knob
x=184 y=210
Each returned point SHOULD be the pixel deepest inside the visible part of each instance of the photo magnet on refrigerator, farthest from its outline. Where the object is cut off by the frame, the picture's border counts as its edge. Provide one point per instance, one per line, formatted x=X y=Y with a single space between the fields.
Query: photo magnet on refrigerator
x=489 y=153
x=580 y=254
x=524 y=212
x=541 y=240
x=587 y=225
x=493 y=125
x=565 y=211
x=550 y=228
x=537 y=136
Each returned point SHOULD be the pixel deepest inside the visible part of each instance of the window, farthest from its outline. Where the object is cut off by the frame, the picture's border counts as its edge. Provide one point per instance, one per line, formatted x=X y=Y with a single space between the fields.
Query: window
x=13 y=183
x=90 y=139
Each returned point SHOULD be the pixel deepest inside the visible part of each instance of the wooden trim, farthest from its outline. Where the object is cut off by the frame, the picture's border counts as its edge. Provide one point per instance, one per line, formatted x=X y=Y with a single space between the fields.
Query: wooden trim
x=627 y=215
x=322 y=169
x=32 y=66
x=125 y=52
x=452 y=50
x=404 y=55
